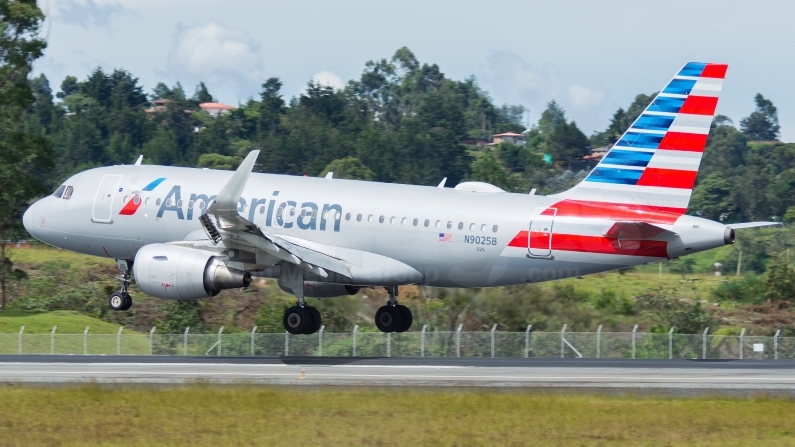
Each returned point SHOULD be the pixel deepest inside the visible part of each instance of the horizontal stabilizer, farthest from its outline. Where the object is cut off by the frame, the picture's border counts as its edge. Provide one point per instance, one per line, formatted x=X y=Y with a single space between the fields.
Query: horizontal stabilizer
x=740 y=226
x=635 y=231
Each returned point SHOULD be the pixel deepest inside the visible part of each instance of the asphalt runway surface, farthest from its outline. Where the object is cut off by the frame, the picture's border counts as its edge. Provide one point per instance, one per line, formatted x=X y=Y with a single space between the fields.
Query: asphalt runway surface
x=677 y=376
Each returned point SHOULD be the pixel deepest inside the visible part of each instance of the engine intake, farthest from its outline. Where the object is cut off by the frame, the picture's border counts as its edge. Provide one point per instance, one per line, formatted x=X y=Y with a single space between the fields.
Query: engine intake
x=181 y=273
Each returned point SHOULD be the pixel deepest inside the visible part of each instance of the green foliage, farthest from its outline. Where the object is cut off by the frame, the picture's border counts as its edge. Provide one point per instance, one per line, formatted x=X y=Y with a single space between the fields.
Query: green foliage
x=181 y=314
x=688 y=316
x=746 y=289
x=779 y=281
x=218 y=161
x=269 y=316
x=348 y=168
x=487 y=169
x=762 y=124
x=621 y=121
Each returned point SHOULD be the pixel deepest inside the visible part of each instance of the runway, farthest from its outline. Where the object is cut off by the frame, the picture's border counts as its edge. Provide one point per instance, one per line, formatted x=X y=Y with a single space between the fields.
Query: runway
x=684 y=376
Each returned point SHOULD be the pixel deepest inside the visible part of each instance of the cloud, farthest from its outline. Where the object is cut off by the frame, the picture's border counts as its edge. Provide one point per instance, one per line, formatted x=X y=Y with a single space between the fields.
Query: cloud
x=227 y=58
x=510 y=79
x=582 y=97
x=325 y=77
x=83 y=13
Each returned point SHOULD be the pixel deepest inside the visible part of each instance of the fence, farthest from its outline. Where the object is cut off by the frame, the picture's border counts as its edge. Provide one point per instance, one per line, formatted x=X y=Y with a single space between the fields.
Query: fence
x=424 y=343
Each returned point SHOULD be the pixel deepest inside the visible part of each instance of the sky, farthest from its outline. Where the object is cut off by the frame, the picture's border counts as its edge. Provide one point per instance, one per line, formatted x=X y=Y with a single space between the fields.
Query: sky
x=591 y=57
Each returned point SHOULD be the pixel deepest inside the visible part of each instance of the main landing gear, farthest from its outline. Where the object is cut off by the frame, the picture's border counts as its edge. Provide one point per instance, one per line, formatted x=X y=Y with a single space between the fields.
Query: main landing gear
x=302 y=319
x=393 y=317
x=122 y=300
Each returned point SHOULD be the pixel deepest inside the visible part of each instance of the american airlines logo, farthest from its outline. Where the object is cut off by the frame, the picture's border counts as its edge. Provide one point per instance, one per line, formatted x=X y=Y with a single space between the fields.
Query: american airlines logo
x=277 y=212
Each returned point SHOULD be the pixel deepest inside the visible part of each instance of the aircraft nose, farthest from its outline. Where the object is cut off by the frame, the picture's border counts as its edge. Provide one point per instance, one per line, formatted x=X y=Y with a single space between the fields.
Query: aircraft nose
x=27 y=220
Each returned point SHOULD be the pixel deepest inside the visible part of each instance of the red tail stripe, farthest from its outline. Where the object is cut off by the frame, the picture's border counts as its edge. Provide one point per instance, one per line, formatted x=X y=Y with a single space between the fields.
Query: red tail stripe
x=618 y=211
x=714 y=71
x=681 y=141
x=593 y=244
x=669 y=178
x=700 y=105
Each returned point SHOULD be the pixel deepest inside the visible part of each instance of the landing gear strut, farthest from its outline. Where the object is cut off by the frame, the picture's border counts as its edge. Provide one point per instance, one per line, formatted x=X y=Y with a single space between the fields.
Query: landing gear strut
x=393 y=317
x=122 y=300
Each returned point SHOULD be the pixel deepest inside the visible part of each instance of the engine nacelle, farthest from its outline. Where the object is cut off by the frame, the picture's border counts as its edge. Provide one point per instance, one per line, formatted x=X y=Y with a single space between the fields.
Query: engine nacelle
x=181 y=273
x=314 y=289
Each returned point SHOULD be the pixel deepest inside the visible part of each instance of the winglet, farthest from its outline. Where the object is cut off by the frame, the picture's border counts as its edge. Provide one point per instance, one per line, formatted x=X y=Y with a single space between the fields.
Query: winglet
x=226 y=202
x=330 y=175
x=441 y=184
x=140 y=159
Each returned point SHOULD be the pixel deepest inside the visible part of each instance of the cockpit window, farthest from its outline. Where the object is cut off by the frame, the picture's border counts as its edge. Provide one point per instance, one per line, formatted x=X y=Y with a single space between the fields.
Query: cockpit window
x=68 y=194
x=59 y=192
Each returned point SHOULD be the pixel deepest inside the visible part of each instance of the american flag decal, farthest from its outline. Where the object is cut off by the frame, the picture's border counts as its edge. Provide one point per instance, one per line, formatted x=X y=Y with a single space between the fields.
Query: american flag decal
x=445 y=237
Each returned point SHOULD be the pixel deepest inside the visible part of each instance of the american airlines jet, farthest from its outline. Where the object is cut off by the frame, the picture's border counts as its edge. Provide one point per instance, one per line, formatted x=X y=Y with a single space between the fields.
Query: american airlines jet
x=187 y=233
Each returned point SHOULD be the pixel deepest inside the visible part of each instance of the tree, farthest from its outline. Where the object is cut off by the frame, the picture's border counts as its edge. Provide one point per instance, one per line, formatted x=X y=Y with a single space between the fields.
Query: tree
x=762 y=124
x=217 y=161
x=24 y=158
x=779 y=281
x=202 y=95
x=487 y=169
x=712 y=198
x=567 y=142
x=349 y=168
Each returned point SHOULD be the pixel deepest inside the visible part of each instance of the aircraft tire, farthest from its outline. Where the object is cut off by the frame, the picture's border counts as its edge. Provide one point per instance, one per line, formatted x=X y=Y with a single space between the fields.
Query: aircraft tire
x=317 y=320
x=296 y=320
x=127 y=301
x=405 y=312
x=388 y=319
x=117 y=301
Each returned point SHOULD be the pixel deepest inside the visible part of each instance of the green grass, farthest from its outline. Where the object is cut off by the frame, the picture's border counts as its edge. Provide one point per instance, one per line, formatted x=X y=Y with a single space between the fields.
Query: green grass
x=68 y=322
x=202 y=415
x=38 y=254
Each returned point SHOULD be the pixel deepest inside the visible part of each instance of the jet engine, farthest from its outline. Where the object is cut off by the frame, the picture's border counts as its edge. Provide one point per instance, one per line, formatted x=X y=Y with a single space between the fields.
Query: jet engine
x=181 y=273
x=314 y=289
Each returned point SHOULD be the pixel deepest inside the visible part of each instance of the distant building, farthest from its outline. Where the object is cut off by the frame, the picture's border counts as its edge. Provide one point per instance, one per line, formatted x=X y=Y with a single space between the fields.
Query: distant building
x=159 y=107
x=509 y=137
x=215 y=108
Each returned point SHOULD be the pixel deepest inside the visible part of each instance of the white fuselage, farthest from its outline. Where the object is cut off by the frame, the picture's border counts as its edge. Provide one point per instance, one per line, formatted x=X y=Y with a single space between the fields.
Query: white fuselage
x=454 y=238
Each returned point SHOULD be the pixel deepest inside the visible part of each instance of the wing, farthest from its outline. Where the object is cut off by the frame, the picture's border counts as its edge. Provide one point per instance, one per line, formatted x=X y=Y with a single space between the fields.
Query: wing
x=740 y=226
x=226 y=228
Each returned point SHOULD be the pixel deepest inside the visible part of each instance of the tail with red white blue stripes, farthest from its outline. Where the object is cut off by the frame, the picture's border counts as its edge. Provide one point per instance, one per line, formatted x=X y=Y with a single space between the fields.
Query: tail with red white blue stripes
x=653 y=166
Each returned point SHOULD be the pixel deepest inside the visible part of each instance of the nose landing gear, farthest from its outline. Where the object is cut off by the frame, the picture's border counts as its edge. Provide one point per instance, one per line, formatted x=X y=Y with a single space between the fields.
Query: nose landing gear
x=122 y=300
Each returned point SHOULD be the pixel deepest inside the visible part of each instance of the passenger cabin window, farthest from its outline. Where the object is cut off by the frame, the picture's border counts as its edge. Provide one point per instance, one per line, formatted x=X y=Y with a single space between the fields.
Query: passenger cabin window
x=158 y=202
x=179 y=204
x=438 y=224
x=262 y=209
x=427 y=222
x=415 y=222
x=471 y=227
x=358 y=218
x=460 y=225
x=392 y=220
x=136 y=199
x=381 y=219
x=68 y=193
x=449 y=225
x=494 y=229
x=483 y=228
x=59 y=192
x=348 y=216
x=370 y=218
x=146 y=202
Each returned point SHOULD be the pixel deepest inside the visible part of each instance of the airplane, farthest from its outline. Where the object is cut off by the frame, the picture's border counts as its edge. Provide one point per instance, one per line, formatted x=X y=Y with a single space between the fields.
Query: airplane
x=187 y=234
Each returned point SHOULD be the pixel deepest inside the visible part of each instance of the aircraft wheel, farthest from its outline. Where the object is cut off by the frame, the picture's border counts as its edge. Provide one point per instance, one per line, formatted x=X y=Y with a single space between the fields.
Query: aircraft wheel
x=296 y=320
x=117 y=301
x=388 y=318
x=405 y=313
x=314 y=315
x=127 y=302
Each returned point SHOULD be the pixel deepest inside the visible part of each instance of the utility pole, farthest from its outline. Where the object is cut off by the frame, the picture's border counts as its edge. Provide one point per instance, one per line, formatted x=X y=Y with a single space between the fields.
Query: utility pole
x=739 y=262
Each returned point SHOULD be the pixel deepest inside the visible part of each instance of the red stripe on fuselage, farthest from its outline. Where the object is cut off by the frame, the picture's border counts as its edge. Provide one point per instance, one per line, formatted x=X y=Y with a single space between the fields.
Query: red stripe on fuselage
x=617 y=211
x=681 y=141
x=668 y=178
x=700 y=105
x=595 y=244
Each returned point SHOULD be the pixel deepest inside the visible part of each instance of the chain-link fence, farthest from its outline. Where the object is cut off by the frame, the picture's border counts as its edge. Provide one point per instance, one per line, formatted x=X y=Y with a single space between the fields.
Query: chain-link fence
x=424 y=343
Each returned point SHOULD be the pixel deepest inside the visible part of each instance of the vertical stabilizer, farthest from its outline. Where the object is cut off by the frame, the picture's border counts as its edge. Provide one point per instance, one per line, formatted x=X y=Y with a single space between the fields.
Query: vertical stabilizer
x=653 y=166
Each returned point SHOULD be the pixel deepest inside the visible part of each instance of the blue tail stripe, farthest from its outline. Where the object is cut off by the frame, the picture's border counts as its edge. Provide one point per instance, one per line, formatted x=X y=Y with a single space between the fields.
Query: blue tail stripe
x=692 y=69
x=640 y=140
x=154 y=184
x=680 y=86
x=666 y=104
x=653 y=122
x=628 y=158
x=611 y=175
